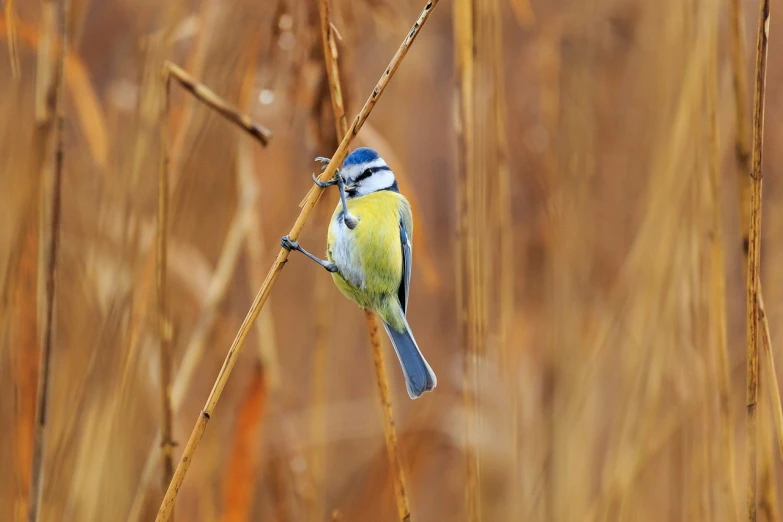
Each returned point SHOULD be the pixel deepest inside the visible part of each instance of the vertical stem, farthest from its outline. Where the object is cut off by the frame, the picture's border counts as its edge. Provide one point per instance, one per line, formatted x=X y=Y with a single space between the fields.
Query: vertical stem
x=11 y=39
x=56 y=110
x=464 y=44
x=754 y=257
x=164 y=326
x=742 y=140
x=718 y=287
x=403 y=510
x=772 y=377
x=341 y=125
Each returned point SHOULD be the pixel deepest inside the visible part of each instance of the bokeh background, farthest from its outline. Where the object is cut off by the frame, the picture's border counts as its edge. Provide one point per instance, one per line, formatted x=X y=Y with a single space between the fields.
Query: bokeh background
x=568 y=239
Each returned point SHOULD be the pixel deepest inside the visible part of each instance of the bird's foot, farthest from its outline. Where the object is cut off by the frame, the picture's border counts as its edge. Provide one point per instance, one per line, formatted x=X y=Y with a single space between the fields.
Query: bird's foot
x=336 y=180
x=324 y=184
x=289 y=244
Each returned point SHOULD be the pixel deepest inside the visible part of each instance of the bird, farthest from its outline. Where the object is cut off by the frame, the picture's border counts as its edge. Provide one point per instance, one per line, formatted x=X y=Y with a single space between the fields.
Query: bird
x=369 y=252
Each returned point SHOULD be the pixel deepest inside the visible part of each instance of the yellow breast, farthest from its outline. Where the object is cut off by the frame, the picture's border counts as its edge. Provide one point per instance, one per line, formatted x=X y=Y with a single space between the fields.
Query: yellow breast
x=369 y=257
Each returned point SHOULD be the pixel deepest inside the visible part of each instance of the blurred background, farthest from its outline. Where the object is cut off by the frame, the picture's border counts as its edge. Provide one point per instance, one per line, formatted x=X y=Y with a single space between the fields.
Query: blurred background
x=576 y=186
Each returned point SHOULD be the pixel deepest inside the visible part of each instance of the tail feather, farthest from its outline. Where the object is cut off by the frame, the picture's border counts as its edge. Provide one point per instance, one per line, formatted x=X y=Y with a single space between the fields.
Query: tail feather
x=419 y=377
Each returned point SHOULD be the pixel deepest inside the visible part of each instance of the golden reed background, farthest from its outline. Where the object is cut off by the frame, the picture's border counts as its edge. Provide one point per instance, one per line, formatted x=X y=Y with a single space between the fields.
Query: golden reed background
x=568 y=237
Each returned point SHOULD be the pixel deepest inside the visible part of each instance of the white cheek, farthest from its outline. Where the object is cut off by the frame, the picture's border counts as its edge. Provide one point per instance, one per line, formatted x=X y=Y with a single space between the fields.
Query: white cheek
x=378 y=181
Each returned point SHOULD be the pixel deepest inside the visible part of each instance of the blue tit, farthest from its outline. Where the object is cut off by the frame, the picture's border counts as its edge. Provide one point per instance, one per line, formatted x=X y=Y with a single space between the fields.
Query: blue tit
x=369 y=253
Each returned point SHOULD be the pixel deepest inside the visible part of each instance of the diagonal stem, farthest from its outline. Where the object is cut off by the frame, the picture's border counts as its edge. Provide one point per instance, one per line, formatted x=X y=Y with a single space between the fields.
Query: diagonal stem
x=277 y=266
x=206 y=95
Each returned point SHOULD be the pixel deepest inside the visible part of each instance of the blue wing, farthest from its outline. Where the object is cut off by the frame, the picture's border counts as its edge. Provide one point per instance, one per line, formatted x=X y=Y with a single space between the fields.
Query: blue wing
x=406 y=239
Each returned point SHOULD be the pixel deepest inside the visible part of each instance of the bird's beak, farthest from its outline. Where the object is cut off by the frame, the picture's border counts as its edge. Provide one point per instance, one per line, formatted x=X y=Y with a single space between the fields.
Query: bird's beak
x=350 y=189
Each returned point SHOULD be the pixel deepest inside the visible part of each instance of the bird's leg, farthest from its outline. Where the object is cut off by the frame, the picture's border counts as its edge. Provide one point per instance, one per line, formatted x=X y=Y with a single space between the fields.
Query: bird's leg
x=289 y=245
x=350 y=220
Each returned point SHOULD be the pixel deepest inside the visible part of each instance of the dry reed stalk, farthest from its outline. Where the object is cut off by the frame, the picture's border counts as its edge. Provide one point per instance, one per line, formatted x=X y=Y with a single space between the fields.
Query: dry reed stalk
x=77 y=83
x=481 y=159
x=505 y=232
x=392 y=448
x=744 y=160
x=215 y=102
x=11 y=39
x=277 y=266
x=332 y=69
x=742 y=138
x=464 y=53
x=341 y=125
x=161 y=268
x=718 y=288
x=772 y=377
x=754 y=257
x=24 y=341
x=331 y=89
x=55 y=110
x=768 y=503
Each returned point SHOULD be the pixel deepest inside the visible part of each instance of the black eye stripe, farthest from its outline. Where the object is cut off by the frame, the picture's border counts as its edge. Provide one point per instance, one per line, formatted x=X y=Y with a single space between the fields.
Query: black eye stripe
x=369 y=172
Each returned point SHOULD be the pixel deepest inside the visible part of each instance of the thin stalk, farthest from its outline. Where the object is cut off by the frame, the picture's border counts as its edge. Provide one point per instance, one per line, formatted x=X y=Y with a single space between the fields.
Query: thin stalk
x=392 y=448
x=332 y=69
x=277 y=266
x=742 y=143
x=768 y=505
x=164 y=327
x=56 y=110
x=341 y=125
x=718 y=289
x=772 y=377
x=754 y=257
x=11 y=39
x=207 y=96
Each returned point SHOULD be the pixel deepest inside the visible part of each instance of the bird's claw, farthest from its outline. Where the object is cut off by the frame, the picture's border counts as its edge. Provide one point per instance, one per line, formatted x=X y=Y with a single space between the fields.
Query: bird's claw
x=324 y=184
x=288 y=244
x=326 y=162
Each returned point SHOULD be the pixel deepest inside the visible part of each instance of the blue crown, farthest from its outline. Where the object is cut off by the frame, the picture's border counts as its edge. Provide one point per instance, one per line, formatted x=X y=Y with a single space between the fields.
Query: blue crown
x=360 y=156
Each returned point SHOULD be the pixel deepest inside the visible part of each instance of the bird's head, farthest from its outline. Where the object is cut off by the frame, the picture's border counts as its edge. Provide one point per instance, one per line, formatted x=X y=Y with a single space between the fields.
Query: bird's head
x=364 y=172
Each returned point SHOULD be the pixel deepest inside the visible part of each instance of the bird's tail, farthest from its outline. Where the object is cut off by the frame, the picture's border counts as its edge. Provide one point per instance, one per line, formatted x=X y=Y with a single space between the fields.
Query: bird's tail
x=419 y=377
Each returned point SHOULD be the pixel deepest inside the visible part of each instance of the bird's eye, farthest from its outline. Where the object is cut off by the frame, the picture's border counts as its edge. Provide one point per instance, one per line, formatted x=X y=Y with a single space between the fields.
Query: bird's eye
x=364 y=175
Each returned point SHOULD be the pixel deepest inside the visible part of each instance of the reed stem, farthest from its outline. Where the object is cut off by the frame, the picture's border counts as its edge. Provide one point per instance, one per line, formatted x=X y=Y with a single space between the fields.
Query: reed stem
x=11 y=39
x=207 y=96
x=54 y=110
x=718 y=287
x=754 y=257
x=161 y=265
x=403 y=509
